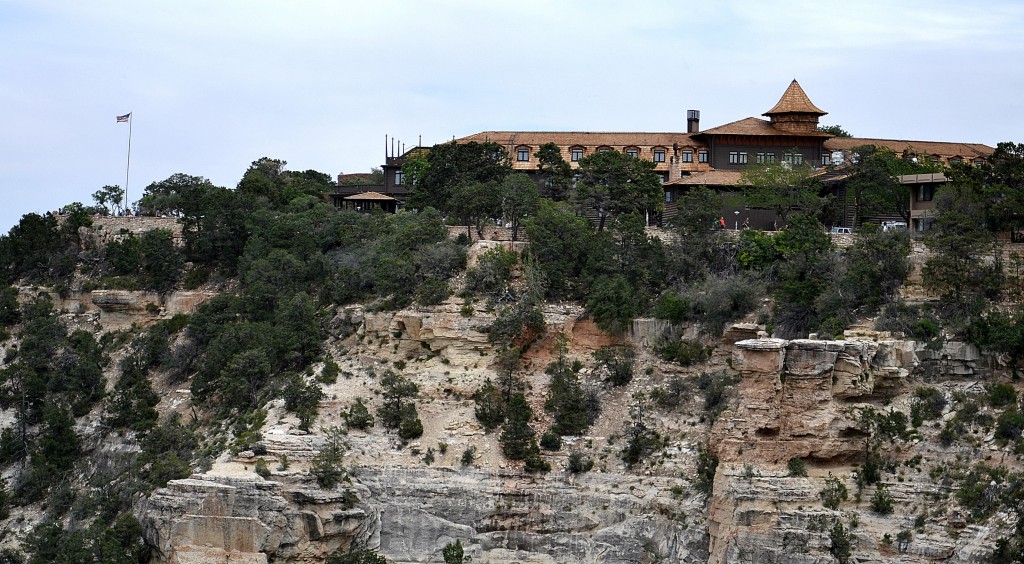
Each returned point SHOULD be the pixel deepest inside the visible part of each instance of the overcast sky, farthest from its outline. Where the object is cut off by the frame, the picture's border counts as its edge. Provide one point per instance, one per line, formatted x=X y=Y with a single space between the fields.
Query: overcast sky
x=213 y=86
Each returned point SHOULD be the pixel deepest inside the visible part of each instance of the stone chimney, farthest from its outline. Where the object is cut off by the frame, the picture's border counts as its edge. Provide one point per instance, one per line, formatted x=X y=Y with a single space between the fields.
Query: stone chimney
x=693 y=121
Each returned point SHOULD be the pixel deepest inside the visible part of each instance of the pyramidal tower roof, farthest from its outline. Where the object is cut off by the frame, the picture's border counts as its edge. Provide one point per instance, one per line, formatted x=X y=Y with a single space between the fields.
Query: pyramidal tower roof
x=794 y=100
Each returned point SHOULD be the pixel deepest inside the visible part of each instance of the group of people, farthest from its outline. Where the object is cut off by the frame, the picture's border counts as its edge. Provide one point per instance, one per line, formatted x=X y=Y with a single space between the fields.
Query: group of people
x=720 y=223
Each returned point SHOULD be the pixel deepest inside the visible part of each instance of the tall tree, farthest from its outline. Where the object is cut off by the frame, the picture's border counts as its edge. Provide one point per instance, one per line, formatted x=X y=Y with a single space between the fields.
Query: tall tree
x=449 y=165
x=1002 y=185
x=109 y=198
x=960 y=267
x=555 y=173
x=474 y=203
x=613 y=183
x=834 y=130
x=781 y=187
x=265 y=178
x=519 y=199
x=874 y=188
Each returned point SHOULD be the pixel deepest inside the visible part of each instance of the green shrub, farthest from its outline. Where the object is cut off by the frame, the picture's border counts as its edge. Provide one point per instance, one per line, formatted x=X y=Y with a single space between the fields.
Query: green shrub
x=881 y=501
x=262 y=469
x=684 y=352
x=928 y=404
x=613 y=304
x=839 y=546
x=551 y=441
x=468 y=455
x=326 y=466
x=578 y=463
x=673 y=307
x=567 y=400
x=453 y=553
x=617 y=362
x=329 y=374
x=797 y=467
x=707 y=463
x=355 y=556
x=1009 y=425
x=493 y=272
x=303 y=399
x=833 y=493
x=358 y=416
x=410 y=426
x=716 y=389
x=432 y=292
x=490 y=405
x=1001 y=395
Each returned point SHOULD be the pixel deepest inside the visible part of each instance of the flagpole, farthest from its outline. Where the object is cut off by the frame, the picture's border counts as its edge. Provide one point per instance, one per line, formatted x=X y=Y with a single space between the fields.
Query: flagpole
x=128 y=165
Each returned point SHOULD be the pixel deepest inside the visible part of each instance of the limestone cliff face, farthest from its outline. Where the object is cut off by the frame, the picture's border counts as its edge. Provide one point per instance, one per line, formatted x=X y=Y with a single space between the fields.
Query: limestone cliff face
x=512 y=517
x=247 y=520
x=800 y=399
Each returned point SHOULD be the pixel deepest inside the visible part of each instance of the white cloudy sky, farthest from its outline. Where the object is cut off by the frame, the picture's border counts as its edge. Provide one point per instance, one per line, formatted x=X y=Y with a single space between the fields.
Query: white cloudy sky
x=216 y=85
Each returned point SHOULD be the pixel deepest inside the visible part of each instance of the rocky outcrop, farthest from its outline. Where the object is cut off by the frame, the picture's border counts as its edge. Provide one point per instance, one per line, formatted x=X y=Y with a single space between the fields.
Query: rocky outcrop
x=512 y=517
x=801 y=399
x=247 y=520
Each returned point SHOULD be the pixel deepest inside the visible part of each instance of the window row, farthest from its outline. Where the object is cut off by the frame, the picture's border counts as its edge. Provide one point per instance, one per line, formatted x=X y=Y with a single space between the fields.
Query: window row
x=576 y=154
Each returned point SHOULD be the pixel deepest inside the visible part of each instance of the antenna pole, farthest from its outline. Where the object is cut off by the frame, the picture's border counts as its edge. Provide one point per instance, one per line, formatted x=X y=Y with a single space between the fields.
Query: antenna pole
x=128 y=164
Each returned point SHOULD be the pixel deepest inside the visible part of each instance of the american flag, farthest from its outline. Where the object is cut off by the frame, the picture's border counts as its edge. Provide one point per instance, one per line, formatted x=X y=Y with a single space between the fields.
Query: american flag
x=124 y=118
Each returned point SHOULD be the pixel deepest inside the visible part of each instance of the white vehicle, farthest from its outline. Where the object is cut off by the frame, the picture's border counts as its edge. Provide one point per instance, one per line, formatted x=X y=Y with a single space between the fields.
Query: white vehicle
x=894 y=226
x=841 y=230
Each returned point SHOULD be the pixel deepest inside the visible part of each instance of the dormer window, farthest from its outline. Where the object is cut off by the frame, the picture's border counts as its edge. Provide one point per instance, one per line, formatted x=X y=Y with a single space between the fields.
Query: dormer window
x=604 y=148
x=702 y=156
x=687 y=155
x=979 y=161
x=522 y=154
x=576 y=154
x=659 y=154
x=632 y=151
x=956 y=160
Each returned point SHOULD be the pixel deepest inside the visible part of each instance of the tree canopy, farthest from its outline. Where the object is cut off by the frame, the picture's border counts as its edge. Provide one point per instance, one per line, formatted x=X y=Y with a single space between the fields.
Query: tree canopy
x=613 y=183
x=450 y=165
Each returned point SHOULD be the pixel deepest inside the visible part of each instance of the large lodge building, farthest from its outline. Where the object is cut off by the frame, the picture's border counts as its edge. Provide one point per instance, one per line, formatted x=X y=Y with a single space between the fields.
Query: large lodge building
x=712 y=157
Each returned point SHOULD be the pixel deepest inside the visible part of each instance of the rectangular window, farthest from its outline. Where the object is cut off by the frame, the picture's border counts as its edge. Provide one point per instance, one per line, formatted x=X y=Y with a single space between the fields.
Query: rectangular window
x=668 y=197
x=687 y=156
x=702 y=156
x=769 y=158
x=523 y=155
x=798 y=158
x=399 y=177
x=925 y=192
x=576 y=154
x=633 y=152
x=760 y=158
x=734 y=157
x=826 y=159
x=743 y=158
x=659 y=156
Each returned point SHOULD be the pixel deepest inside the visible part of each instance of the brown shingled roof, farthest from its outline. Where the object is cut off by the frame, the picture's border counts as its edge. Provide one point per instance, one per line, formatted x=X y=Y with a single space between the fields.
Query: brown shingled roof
x=370 y=196
x=584 y=138
x=754 y=126
x=944 y=149
x=794 y=100
x=708 y=178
